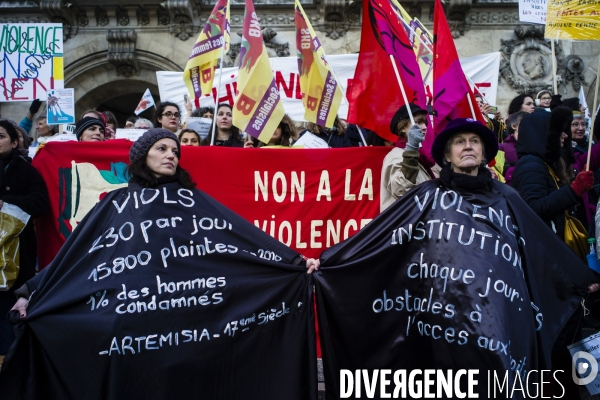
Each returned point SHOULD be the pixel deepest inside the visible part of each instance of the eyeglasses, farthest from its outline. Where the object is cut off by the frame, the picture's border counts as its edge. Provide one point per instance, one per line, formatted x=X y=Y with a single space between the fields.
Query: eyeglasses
x=546 y=98
x=577 y=125
x=169 y=114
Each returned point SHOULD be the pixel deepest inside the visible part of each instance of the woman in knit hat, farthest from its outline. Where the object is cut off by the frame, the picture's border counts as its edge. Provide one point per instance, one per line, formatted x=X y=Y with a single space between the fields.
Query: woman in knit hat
x=89 y=129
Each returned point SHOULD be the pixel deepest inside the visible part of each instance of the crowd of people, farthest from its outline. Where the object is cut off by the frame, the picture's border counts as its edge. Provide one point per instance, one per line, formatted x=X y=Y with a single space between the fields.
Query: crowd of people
x=540 y=149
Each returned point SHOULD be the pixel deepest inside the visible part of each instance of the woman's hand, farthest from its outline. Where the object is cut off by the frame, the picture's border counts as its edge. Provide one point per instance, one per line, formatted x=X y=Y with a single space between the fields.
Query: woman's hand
x=248 y=144
x=21 y=306
x=313 y=265
x=594 y=287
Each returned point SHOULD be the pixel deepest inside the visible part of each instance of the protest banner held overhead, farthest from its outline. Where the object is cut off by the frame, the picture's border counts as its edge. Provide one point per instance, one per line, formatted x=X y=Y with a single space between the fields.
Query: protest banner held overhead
x=483 y=70
x=533 y=11
x=61 y=106
x=573 y=19
x=32 y=60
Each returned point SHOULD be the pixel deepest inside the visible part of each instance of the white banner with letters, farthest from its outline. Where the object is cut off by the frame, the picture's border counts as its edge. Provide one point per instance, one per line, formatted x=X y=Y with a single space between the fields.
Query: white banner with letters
x=483 y=71
x=533 y=11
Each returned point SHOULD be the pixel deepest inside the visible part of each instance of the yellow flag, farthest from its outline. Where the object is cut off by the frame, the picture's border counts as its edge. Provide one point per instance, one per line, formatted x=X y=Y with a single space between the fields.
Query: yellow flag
x=258 y=109
x=200 y=69
x=321 y=93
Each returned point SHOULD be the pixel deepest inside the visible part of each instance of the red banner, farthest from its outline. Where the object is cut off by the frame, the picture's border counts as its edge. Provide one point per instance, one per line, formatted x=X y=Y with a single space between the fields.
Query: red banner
x=308 y=199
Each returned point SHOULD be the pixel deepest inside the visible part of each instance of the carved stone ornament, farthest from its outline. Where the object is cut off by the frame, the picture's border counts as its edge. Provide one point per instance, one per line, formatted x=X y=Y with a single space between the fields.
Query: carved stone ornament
x=121 y=52
x=527 y=62
x=122 y=16
x=275 y=47
x=162 y=14
x=456 y=13
x=142 y=15
x=101 y=16
x=60 y=12
x=183 y=19
x=340 y=15
x=571 y=70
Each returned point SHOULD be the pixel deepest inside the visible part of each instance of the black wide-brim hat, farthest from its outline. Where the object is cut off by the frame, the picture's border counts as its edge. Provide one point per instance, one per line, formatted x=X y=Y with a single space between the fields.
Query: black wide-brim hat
x=464 y=125
x=402 y=113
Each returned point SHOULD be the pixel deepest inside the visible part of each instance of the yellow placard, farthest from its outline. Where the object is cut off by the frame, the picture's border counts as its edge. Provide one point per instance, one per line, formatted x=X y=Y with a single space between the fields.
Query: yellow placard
x=573 y=19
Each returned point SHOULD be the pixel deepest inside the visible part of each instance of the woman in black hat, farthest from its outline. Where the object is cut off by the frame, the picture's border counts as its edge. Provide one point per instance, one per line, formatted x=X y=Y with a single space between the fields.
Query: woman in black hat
x=401 y=167
x=90 y=129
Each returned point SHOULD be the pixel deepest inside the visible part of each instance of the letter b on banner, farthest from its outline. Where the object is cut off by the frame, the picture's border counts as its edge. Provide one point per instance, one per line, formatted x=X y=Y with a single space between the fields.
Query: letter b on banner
x=579 y=366
x=312 y=103
x=245 y=104
x=207 y=75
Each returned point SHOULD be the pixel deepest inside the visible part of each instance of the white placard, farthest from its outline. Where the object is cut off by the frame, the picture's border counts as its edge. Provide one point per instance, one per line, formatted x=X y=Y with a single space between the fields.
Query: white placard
x=60 y=106
x=63 y=137
x=129 y=134
x=310 y=141
x=31 y=56
x=533 y=11
x=585 y=354
x=200 y=125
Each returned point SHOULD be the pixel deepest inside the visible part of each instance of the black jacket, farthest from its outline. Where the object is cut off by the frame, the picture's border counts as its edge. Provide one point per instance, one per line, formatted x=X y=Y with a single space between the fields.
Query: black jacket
x=539 y=146
x=22 y=186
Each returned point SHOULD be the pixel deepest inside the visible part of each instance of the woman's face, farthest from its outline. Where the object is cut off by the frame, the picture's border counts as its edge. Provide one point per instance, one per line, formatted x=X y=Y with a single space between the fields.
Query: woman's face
x=94 y=133
x=170 y=118
x=528 y=105
x=6 y=145
x=276 y=136
x=545 y=100
x=163 y=158
x=129 y=125
x=563 y=136
x=189 y=139
x=42 y=128
x=224 y=120
x=516 y=128
x=208 y=115
x=466 y=153
x=578 y=128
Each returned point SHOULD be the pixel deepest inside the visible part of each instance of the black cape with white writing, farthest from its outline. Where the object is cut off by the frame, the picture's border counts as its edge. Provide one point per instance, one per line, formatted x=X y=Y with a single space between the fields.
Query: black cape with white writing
x=233 y=322
x=379 y=307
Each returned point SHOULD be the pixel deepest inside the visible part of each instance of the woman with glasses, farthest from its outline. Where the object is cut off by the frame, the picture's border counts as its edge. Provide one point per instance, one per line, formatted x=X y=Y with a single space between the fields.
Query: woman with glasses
x=167 y=115
x=226 y=134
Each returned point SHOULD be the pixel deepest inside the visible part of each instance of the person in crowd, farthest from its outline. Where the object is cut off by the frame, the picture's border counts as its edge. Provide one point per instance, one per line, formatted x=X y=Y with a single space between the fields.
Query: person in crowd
x=111 y=125
x=44 y=131
x=578 y=139
x=95 y=114
x=27 y=121
x=335 y=137
x=543 y=99
x=89 y=129
x=167 y=116
x=509 y=146
x=143 y=123
x=522 y=102
x=401 y=169
x=227 y=134
x=130 y=123
x=20 y=185
x=189 y=137
x=496 y=124
x=204 y=112
x=539 y=151
x=282 y=137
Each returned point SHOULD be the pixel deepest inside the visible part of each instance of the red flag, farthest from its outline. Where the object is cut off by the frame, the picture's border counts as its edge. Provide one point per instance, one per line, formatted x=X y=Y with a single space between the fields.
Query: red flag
x=451 y=90
x=374 y=96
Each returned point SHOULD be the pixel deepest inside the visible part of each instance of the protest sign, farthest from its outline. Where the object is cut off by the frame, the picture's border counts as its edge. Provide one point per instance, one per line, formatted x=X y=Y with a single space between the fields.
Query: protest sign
x=187 y=291
x=61 y=106
x=32 y=59
x=200 y=125
x=449 y=279
x=573 y=20
x=482 y=70
x=129 y=134
x=585 y=354
x=533 y=11
x=286 y=193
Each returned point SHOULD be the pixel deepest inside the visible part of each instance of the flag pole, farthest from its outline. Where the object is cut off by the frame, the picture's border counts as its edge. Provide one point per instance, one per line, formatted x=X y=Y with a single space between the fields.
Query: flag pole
x=412 y=120
x=361 y=135
x=554 y=84
x=595 y=110
x=214 y=125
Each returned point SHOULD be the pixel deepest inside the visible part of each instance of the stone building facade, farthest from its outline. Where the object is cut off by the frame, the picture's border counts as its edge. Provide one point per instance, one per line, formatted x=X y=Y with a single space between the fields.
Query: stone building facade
x=113 y=48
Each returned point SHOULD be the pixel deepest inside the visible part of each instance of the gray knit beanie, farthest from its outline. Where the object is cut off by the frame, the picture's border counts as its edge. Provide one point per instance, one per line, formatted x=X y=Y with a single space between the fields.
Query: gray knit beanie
x=141 y=146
